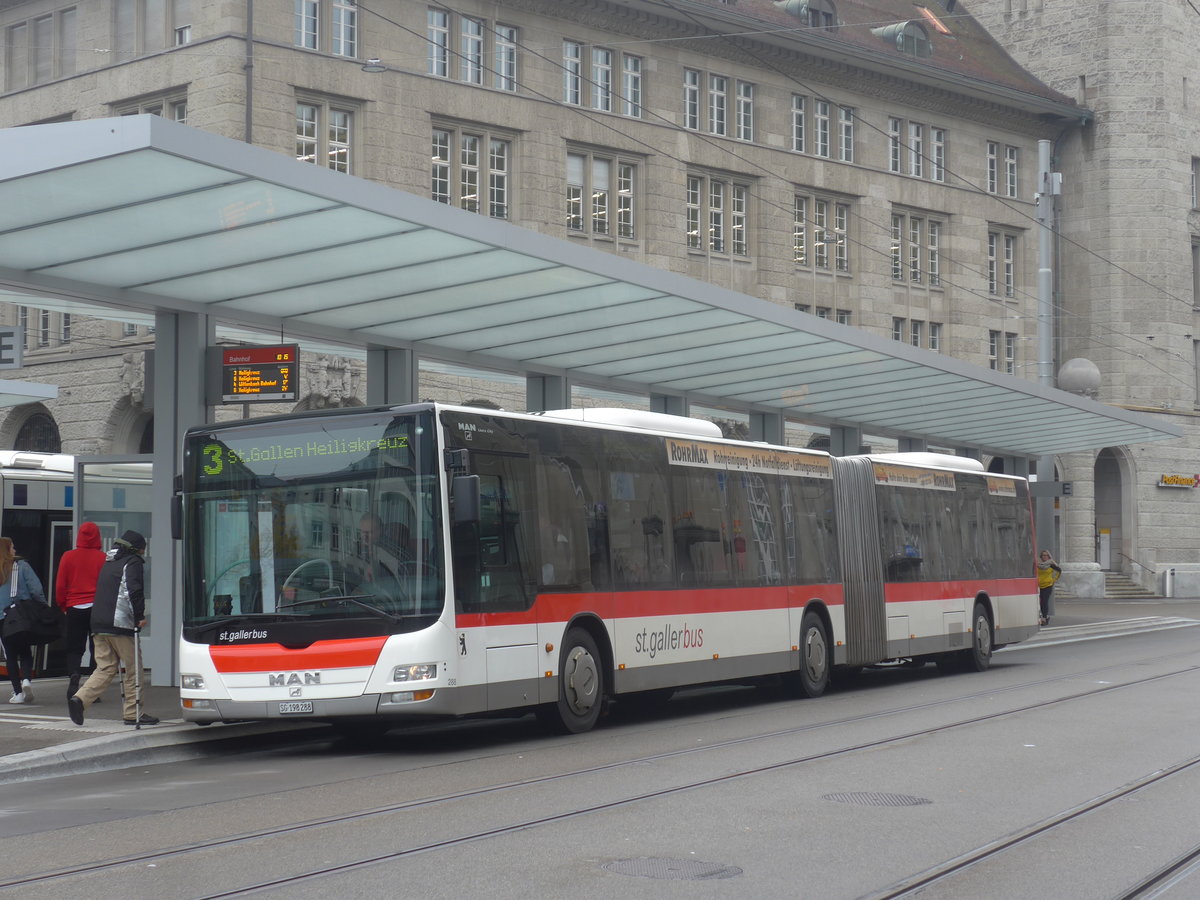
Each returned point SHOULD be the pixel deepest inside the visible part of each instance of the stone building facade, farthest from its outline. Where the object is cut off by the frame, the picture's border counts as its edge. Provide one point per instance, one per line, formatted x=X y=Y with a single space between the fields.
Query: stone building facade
x=1128 y=266
x=867 y=161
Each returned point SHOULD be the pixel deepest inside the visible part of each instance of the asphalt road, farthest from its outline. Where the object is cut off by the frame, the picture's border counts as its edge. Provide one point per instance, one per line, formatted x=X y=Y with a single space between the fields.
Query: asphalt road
x=1070 y=770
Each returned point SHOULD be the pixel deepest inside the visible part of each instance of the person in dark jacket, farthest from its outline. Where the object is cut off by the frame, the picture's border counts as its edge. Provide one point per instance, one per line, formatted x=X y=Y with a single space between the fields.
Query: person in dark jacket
x=74 y=591
x=118 y=614
x=18 y=581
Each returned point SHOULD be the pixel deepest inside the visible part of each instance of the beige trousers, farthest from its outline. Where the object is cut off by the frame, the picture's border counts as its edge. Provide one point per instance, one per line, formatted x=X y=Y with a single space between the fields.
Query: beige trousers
x=111 y=651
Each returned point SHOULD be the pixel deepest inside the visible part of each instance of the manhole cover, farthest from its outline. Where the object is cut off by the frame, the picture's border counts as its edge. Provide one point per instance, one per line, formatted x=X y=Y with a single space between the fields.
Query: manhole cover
x=678 y=869
x=876 y=798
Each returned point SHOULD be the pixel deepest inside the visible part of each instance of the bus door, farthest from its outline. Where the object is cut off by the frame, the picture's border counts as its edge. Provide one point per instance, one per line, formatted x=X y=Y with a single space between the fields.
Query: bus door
x=501 y=650
x=862 y=571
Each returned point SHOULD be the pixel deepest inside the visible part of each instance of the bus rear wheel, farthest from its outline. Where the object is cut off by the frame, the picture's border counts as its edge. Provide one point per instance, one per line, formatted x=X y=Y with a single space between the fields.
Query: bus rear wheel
x=815 y=661
x=580 y=684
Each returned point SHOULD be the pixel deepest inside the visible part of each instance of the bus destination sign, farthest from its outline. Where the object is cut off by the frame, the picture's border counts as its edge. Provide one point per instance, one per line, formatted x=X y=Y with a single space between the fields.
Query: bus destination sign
x=259 y=373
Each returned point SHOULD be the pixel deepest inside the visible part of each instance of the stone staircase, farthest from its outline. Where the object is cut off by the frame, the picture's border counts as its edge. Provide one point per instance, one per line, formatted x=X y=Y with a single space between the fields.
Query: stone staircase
x=1119 y=586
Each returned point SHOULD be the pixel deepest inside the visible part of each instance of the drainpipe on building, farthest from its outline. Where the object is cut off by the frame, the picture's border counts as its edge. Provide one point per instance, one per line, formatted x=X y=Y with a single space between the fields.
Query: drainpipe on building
x=248 y=137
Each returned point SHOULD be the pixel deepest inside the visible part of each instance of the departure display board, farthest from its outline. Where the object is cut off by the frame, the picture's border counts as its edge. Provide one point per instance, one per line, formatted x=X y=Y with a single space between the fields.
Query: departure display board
x=259 y=373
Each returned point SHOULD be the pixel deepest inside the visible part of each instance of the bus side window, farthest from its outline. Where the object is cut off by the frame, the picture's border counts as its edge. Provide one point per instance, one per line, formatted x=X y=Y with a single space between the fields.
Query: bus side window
x=639 y=515
x=573 y=527
x=703 y=543
x=505 y=542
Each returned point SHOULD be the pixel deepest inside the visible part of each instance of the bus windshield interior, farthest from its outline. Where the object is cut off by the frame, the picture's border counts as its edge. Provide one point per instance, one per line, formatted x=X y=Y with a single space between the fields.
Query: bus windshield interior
x=307 y=520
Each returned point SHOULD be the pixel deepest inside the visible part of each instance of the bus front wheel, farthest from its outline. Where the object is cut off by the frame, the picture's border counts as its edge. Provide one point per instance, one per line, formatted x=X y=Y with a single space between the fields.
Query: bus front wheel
x=580 y=684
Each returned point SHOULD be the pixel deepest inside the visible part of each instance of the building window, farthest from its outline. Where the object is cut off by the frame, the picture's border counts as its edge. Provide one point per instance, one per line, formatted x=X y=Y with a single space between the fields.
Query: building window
x=897 y=329
x=1010 y=353
x=1195 y=179
x=463 y=163
x=461 y=47
x=40 y=50
x=1011 y=156
x=470 y=50
x=505 y=55
x=601 y=195
x=1010 y=255
x=344 y=28
x=64 y=334
x=721 y=206
x=572 y=72
x=43 y=334
x=916 y=244
x=935 y=253
x=819 y=232
x=745 y=111
x=821 y=128
x=144 y=26
x=846 y=133
x=1001 y=264
x=437 y=34
x=631 y=86
x=938 y=161
x=172 y=106
x=824 y=312
x=691 y=99
x=803 y=307
x=994 y=350
x=916 y=149
x=324 y=134
x=935 y=337
x=718 y=103
x=843 y=317
x=602 y=83
x=798 y=131
x=599 y=89
x=894 y=126
x=916 y=332
x=39 y=434
x=128 y=329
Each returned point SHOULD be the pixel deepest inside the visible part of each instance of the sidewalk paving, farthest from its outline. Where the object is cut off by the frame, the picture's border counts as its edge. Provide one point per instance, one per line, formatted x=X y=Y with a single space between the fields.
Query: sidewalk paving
x=38 y=739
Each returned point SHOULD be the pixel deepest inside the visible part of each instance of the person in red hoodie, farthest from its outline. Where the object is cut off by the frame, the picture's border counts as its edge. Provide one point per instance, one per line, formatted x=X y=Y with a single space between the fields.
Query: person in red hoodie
x=74 y=591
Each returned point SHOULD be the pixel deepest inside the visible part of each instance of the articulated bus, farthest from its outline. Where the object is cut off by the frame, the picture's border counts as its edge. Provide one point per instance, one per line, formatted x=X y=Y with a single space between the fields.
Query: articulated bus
x=368 y=566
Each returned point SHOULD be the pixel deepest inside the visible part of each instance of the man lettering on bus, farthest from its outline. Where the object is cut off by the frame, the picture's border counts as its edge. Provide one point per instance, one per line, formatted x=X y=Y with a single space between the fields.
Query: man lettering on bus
x=118 y=614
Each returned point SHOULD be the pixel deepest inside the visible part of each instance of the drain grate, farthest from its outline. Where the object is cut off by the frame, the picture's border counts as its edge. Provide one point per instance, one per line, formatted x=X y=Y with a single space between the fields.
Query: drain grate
x=876 y=798
x=676 y=869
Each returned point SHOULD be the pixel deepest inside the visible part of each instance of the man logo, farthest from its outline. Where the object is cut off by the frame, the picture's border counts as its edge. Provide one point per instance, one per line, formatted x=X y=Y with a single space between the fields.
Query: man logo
x=288 y=679
x=295 y=692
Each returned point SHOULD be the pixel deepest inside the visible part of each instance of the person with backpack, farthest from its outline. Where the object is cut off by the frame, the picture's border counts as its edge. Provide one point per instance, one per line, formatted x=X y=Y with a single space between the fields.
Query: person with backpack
x=74 y=591
x=19 y=585
x=118 y=614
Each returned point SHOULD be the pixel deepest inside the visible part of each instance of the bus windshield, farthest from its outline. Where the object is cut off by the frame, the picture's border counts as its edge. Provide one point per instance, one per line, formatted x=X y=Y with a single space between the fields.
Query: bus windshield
x=333 y=521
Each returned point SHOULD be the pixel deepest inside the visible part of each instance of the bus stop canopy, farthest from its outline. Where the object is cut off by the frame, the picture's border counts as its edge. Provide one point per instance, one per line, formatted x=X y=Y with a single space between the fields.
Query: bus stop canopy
x=144 y=215
x=15 y=393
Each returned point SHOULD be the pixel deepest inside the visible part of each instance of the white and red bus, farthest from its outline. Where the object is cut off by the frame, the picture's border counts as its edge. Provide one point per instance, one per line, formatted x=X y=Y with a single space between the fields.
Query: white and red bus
x=371 y=565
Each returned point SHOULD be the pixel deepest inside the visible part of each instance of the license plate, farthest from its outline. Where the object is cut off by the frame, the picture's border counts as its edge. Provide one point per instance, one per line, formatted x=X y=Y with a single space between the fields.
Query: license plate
x=295 y=706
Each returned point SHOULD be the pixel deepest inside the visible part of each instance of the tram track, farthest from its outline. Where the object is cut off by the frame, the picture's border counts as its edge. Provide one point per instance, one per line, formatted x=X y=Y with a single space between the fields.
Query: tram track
x=153 y=857
x=943 y=872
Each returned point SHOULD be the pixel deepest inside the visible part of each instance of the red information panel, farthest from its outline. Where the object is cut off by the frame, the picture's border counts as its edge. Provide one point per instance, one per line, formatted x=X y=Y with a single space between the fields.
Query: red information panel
x=259 y=373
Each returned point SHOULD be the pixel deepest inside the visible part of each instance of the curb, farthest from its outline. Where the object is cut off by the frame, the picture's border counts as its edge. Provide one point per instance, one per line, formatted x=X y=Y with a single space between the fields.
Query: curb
x=152 y=745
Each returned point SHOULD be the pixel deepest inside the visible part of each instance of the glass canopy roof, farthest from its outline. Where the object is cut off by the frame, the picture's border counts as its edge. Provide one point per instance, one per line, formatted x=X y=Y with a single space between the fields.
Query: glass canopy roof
x=142 y=214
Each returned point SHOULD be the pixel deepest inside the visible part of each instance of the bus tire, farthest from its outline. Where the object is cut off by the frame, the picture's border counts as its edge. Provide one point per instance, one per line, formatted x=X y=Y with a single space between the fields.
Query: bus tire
x=580 y=684
x=979 y=657
x=815 y=664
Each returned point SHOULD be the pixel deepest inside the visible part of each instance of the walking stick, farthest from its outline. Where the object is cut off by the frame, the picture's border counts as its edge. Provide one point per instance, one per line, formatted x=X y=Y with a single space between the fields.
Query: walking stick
x=137 y=682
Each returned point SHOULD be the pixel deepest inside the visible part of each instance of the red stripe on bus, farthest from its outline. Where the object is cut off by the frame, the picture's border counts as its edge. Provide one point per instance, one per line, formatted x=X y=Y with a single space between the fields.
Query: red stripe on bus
x=911 y=592
x=632 y=604
x=341 y=654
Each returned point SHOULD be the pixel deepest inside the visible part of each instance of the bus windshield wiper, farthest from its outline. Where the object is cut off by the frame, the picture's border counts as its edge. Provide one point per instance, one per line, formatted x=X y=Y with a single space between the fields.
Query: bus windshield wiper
x=358 y=600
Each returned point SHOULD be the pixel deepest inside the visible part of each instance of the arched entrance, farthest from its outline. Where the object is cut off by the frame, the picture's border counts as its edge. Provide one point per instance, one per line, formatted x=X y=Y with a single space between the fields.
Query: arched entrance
x=1114 y=538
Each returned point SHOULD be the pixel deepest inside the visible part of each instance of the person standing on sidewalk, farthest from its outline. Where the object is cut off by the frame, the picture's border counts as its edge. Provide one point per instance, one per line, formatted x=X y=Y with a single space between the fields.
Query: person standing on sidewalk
x=18 y=582
x=118 y=614
x=74 y=591
x=1048 y=572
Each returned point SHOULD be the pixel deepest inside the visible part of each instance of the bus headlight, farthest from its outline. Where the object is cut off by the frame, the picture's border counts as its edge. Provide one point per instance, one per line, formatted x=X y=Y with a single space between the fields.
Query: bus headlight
x=419 y=672
x=191 y=682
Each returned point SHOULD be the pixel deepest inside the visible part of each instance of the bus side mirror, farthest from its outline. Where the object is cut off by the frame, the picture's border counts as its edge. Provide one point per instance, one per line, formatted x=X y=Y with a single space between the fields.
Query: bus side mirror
x=177 y=517
x=464 y=499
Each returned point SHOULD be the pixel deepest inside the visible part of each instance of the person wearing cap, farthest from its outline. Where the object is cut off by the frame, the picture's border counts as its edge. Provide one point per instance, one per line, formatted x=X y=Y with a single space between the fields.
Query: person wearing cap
x=118 y=613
